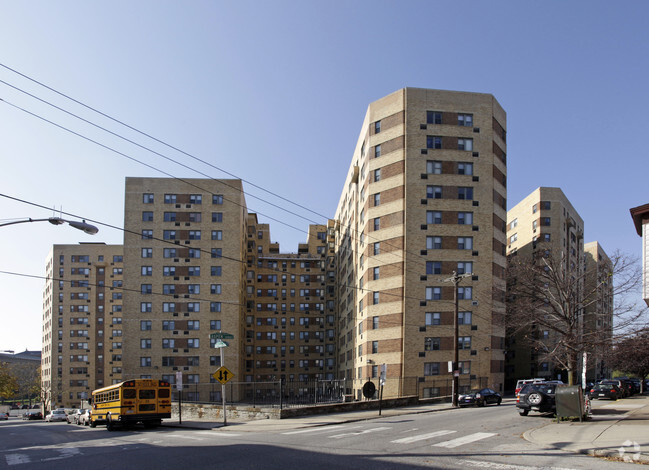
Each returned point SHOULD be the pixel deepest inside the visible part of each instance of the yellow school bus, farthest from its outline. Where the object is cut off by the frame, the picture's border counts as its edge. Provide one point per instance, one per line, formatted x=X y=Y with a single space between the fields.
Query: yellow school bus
x=145 y=401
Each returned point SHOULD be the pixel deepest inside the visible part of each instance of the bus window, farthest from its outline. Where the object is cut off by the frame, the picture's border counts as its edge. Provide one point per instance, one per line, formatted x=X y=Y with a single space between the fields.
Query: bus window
x=147 y=394
x=129 y=393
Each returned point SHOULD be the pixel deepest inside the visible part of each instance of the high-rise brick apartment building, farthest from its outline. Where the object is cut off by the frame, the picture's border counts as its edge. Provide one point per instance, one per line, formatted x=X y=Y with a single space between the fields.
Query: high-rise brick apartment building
x=290 y=310
x=82 y=322
x=425 y=197
x=184 y=265
x=546 y=224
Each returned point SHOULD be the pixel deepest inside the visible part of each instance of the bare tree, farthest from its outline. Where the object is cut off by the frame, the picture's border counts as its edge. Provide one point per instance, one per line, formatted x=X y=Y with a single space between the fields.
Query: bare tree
x=554 y=304
x=631 y=355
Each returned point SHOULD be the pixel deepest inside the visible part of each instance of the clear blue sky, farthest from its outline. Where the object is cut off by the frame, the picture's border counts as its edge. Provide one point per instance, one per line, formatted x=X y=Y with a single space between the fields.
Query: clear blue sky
x=275 y=92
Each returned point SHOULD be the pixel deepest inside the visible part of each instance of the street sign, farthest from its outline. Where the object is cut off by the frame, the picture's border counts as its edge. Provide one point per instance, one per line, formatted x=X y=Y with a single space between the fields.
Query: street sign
x=223 y=375
x=179 y=380
x=220 y=335
x=221 y=344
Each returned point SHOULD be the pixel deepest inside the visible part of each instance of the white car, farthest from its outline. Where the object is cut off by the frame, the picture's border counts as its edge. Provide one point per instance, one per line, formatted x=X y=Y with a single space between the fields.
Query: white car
x=56 y=415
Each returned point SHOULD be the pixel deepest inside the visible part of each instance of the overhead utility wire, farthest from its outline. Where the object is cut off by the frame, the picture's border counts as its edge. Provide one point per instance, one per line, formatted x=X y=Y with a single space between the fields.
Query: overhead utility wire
x=178 y=150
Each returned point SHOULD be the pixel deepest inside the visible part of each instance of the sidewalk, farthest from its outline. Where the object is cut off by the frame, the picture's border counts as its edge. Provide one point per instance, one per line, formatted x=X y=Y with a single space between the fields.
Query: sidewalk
x=618 y=429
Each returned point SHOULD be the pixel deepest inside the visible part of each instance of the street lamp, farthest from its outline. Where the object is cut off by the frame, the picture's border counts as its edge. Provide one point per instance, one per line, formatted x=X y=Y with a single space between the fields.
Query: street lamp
x=455 y=279
x=83 y=226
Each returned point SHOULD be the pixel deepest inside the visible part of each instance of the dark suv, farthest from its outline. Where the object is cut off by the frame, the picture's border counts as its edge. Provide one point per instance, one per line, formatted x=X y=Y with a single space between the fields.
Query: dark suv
x=537 y=397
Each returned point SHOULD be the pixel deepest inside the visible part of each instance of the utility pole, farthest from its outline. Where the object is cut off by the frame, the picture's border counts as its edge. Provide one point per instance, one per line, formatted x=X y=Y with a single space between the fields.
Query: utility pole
x=455 y=279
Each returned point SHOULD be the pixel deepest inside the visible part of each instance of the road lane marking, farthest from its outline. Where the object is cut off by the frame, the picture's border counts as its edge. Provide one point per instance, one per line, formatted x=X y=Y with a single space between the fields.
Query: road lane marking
x=318 y=429
x=367 y=431
x=465 y=440
x=502 y=466
x=16 y=459
x=421 y=437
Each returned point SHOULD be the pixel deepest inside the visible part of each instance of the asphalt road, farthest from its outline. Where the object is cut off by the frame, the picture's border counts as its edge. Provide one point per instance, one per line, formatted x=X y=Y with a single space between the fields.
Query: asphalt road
x=489 y=437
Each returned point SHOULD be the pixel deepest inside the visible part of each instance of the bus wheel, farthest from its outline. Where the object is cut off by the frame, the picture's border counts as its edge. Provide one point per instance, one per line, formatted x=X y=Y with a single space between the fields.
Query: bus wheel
x=93 y=424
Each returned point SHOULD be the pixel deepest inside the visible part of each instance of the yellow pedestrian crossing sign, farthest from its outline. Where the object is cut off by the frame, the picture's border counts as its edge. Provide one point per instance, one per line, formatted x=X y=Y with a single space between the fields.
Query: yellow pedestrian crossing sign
x=223 y=375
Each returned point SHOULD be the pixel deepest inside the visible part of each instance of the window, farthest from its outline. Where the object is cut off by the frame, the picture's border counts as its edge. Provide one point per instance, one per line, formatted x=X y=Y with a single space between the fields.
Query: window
x=375 y=323
x=169 y=253
x=465 y=193
x=215 y=306
x=465 y=120
x=215 y=289
x=169 y=234
x=377 y=199
x=168 y=325
x=465 y=144
x=193 y=270
x=377 y=127
x=215 y=324
x=465 y=218
x=217 y=216
x=147 y=216
x=147 y=234
x=168 y=306
x=169 y=217
x=464 y=243
x=377 y=151
x=217 y=234
x=145 y=325
x=145 y=344
x=168 y=343
x=433 y=217
x=377 y=223
x=145 y=362
x=217 y=252
x=375 y=273
x=546 y=205
x=193 y=343
x=215 y=270
x=465 y=168
x=193 y=306
x=433 y=293
x=431 y=368
x=546 y=237
x=194 y=253
x=434 y=192
x=433 y=243
x=546 y=221
x=433 y=142
x=377 y=175
x=513 y=238
x=375 y=298
x=464 y=367
x=464 y=342
x=434 y=167
x=168 y=270
x=194 y=234
x=147 y=271
x=432 y=344
x=170 y=199
x=147 y=198
x=464 y=267
x=146 y=288
x=217 y=199
x=195 y=217
x=433 y=117
x=376 y=248
x=433 y=267
x=463 y=318
x=195 y=199
x=375 y=347
x=465 y=293
x=433 y=318
x=147 y=252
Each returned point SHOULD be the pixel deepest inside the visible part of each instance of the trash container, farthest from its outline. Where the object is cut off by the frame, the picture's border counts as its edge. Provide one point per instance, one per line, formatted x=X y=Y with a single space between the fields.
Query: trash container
x=569 y=401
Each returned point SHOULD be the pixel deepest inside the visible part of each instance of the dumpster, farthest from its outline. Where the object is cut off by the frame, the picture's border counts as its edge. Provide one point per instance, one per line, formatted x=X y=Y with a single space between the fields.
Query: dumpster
x=570 y=402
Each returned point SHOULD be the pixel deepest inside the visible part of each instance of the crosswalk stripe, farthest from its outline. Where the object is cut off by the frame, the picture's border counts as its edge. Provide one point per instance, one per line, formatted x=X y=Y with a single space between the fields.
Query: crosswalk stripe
x=319 y=429
x=421 y=437
x=465 y=440
x=16 y=459
x=367 y=431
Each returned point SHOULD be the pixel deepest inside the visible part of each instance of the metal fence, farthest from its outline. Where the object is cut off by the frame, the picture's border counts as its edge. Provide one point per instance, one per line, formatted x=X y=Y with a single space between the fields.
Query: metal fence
x=285 y=394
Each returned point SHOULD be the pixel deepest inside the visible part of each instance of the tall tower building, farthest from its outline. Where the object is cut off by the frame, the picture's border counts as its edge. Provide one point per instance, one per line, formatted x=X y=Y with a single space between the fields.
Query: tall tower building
x=184 y=267
x=543 y=222
x=424 y=198
x=82 y=322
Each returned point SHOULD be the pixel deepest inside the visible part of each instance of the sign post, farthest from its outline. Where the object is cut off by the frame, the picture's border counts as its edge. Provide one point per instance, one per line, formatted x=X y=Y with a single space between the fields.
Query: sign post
x=222 y=374
x=179 y=387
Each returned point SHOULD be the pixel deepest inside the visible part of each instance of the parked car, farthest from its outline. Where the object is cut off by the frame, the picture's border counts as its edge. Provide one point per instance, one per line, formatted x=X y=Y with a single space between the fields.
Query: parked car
x=73 y=418
x=624 y=389
x=31 y=415
x=603 y=390
x=56 y=415
x=83 y=418
x=479 y=397
x=4 y=415
x=521 y=383
x=537 y=397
